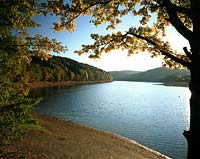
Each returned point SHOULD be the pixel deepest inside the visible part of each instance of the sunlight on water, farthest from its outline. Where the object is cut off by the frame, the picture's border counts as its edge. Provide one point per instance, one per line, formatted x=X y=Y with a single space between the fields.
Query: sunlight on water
x=188 y=95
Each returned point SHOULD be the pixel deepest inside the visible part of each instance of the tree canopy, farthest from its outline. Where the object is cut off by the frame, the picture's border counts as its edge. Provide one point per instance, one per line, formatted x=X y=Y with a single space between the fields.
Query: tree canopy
x=155 y=17
x=63 y=69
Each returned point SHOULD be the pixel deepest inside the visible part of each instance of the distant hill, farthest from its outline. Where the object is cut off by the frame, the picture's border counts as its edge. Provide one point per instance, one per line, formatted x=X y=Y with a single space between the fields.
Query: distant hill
x=63 y=69
x=163 y=75
x=122 y=75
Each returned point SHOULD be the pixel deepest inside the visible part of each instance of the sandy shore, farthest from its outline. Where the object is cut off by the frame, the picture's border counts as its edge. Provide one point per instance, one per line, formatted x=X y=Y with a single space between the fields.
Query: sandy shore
x=66 y=140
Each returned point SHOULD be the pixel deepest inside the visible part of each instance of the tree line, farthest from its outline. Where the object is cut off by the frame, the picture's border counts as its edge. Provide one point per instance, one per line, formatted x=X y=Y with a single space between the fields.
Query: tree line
x=63 y=69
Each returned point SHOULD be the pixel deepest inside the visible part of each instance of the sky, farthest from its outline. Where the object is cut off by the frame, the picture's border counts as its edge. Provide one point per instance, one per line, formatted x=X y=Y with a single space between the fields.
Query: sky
x=115 y=60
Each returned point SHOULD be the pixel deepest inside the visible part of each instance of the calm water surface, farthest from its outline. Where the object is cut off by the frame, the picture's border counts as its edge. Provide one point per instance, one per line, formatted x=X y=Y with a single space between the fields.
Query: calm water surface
x=153 y=115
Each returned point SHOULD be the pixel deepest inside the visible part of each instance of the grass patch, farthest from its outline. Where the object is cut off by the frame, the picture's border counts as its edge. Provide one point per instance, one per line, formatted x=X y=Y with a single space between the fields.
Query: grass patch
x=34 y=125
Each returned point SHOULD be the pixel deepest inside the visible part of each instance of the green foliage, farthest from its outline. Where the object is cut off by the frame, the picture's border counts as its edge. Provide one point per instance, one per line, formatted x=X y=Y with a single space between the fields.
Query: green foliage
x=16 y=49
x=63 y=69
x=15 y=105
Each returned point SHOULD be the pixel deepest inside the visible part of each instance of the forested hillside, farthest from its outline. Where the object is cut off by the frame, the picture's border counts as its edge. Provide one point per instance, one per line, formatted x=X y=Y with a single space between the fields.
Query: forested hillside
x=63 y=69
x=163 y=75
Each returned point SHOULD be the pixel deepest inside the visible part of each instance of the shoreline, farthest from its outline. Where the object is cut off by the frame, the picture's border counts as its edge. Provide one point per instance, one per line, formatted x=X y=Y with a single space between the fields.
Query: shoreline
x=35 y=85
x=122 y=138
x=65 y=139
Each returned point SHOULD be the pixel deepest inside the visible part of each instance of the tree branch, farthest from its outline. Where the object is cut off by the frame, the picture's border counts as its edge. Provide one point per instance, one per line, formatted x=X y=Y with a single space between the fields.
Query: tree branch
x=85 y=9
x=182 y=9
x=174 y=7
x=174 y=19
x=176 y=59
x=189 y=55
x=163 y=51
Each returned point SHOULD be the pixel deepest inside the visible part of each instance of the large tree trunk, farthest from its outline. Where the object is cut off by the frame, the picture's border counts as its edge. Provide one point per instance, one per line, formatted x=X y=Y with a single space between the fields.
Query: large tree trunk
x=193 y=135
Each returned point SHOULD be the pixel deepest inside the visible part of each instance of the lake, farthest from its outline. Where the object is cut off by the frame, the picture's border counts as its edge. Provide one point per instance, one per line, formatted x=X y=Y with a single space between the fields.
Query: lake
x=152 y=114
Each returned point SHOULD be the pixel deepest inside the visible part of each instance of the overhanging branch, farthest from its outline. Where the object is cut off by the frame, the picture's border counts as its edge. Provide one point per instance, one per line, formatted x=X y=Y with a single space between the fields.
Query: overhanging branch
x=189 y=55
x=162 y=50
x=174 y=19
x=85 y=9
x=176 y=59
x=182 y=10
